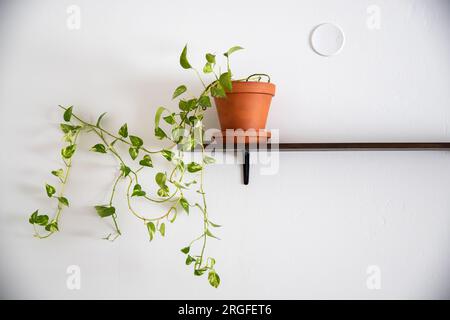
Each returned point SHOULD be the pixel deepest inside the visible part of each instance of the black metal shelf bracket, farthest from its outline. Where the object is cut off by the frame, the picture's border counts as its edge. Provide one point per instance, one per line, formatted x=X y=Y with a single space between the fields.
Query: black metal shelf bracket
x=246 y=165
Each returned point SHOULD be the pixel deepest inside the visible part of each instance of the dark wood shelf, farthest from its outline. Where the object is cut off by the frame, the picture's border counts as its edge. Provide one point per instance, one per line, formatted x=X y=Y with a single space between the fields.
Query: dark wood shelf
x=339 y=146
x=364 y=146
x=326 y=146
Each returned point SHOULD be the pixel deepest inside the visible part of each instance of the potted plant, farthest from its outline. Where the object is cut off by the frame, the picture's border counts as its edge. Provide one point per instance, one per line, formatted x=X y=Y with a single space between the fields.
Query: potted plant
x=241 y=104
x=184 y=131
x=246 y=104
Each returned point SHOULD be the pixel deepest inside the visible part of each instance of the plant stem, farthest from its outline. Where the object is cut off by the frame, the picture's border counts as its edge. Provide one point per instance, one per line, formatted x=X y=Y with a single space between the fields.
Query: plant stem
x=66 y=177
x=68 y=165
x=199 y=77
x=87 y=124
x=139 y=216
x=114 y=216
x=114 y=189
x=204 y=210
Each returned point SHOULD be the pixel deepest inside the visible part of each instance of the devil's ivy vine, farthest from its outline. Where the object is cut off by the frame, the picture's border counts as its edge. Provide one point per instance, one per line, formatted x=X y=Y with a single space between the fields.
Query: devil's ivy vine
x=186 y=134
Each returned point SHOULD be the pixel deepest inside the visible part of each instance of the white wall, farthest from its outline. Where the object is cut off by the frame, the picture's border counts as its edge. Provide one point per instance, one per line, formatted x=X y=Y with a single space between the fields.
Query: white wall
x=312 y=230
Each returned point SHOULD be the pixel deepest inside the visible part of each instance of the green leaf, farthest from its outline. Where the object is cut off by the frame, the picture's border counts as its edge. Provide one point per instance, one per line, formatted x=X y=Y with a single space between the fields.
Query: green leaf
x=100 y=119
x=183 y=59
x=193 y=121
x=181 y=166
x=170 y=119
x=136 y=141
x=105 y=211
x=183 y=105
x=66 y=128
x=185 y=204
x=218 y=91
x=185 y=250
x=151 y=230
x=63 y=201
x=211 y=58
x=68 y=151
x=192 y=104
x=125 y=170
x=58 y=173
x=159 y=133
x=174 y=217
x=179 y=91
x=158 y=114
x=225 y=81
x=213 y=279
x=167 y=154
x=163 y=192
x=207 y=68
x=52 y=226
x=42 y=220
x=137 y=191
x=231 y=50
x=160 y=179
x=33 y=217
x=194 y=167
x=162 y=229
x=208 y=160
x=204 y=102
x=69 y=137
x=189 y=260
x=213 y=224
x=123 y=131
x=50 y=190
x=99 y=148
x=211 y=262
x=134 y=152
x=68 y=114
x=199 y=272
x=209 y=234
x=146 y=161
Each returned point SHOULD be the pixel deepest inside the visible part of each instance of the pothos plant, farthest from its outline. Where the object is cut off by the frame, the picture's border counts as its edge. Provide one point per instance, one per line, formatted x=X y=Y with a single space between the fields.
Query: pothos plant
x=184 y=131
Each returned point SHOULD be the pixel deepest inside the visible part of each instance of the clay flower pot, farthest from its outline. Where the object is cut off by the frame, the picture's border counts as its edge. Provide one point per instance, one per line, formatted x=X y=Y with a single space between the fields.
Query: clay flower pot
x=246 y=106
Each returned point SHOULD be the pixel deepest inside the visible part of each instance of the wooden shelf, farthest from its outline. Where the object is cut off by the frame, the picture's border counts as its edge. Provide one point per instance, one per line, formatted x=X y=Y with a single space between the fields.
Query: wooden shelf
x=325 y=146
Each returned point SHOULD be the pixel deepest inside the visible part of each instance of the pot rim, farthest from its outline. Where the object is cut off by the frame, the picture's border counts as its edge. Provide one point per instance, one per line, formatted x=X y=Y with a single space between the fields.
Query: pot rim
x=253 y=87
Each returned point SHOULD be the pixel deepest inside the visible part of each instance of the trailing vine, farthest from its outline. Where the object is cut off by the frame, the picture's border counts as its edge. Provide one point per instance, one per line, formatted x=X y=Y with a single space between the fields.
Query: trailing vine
x=184 y=132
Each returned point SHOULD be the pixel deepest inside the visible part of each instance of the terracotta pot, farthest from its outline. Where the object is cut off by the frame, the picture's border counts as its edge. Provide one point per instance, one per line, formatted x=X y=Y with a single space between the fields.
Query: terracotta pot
x=246 y=106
